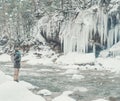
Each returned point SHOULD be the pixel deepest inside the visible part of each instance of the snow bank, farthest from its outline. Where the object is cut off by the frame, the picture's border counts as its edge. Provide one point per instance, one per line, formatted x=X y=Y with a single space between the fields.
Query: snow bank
x=64 y=97
x=5 y=58
x=12 y=91
x=115 y=49
x=76 y=58
x=112 y=64
x=27 y=85
x=4 y=78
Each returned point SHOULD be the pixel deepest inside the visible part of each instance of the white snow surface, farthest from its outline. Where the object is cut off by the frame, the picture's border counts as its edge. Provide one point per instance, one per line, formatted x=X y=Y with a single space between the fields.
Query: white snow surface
x=76 y=58
x=27 y=85
x=4 y=78
x=46 y=56
x=33 y=60
x=44 y=92
x=112 y=64
x=13 y=91
x=100 y=100
x=5 y=58
x=64 y=97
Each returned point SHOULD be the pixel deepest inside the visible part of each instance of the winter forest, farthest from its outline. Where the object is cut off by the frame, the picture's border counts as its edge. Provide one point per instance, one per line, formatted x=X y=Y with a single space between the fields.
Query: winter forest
x=70 y=50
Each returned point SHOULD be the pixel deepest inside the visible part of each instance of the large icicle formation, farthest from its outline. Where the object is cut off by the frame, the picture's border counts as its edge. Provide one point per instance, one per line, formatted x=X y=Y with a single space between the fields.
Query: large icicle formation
x=92 y=24
x=95 y=25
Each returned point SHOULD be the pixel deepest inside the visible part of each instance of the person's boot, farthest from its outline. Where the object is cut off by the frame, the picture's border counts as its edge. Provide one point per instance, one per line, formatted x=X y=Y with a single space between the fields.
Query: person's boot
x=16 y=80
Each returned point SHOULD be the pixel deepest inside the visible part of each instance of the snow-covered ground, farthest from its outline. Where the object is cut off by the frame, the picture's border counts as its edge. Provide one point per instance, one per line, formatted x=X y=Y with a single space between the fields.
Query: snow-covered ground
x=76 y=58
x=72 y=62
x=13 y=91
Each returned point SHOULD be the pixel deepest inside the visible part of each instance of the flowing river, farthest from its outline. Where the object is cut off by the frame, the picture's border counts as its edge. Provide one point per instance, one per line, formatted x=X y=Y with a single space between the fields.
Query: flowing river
x=100 y=84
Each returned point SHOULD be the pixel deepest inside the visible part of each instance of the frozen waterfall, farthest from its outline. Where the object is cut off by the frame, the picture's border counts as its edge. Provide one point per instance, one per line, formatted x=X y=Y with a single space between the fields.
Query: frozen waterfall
x=92 y=24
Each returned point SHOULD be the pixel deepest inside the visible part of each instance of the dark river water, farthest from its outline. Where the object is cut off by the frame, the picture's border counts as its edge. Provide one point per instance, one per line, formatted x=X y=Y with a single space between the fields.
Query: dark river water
x=100 y=84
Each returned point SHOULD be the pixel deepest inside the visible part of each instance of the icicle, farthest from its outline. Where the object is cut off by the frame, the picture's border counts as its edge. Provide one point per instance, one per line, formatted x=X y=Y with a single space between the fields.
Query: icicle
x=116 y=34
x=110 y=39
x=102 y=26
x=105 y=27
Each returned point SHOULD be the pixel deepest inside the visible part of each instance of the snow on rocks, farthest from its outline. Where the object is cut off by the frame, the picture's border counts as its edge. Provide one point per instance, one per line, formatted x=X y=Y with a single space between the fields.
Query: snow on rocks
x=13 y=91
x=30 y=58
x=76 y=58
x=44 y=92
x=115 y=49
x=72 y=68
x=78 y=77
x=104 y=54
x=44 y=61
x=64 y=97
x=111 y=64
x=66 y=93
x=44 y=56
x=5 y=58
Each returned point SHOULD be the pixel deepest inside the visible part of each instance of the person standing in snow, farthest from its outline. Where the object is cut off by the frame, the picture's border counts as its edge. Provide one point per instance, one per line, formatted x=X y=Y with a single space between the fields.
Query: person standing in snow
x=17 y=63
